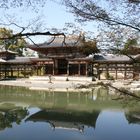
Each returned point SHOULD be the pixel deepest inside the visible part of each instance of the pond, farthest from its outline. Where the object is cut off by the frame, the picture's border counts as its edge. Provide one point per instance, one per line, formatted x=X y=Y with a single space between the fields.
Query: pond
x=42 y=115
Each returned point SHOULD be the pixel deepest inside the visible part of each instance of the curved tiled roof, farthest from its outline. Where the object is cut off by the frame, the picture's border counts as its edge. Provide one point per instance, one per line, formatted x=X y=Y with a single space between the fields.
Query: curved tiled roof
x=60 y=47
x=111 y=57
x=60 y=41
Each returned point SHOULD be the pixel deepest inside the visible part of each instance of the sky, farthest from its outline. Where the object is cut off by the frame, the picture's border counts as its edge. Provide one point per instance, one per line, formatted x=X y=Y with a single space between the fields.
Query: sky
x=51 y=15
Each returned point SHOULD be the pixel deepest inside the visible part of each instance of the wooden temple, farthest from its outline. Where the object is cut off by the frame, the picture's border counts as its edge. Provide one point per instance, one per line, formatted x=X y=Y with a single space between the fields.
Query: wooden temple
x=13 y=66
x=116 y=66
x=63 y=56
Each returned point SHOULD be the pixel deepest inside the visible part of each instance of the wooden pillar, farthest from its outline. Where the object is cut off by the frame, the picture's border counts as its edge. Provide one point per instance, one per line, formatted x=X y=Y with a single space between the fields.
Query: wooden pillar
x=86 y=69
x=53 y=68
x=98 y=71
x=68 y=68
x=133 y=71
x=92 y=71
x=125 y=73
x=79 y=69
x=5 y=71
x=24 y=71
x=134 y=75
x=11 y=72
x=43 y=70
x=37 y=71
x=107 y=73
x=116 y=74
x=98 y=74
x=40 y=69
x=18 y=72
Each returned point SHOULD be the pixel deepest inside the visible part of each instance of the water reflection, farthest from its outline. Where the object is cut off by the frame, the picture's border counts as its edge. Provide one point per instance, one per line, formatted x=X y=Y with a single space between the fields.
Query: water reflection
x=9 y=113
x=83 y=101
x=133 y=117
x=65 y=119
x=34 y=115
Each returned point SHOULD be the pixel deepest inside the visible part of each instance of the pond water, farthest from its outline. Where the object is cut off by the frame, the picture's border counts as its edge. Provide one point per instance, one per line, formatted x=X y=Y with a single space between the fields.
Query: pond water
x=40 y=115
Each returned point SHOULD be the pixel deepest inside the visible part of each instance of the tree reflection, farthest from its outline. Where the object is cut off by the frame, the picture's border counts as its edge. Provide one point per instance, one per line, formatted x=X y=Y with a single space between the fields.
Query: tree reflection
x=132 y=110
x=11 y=115
x=133 y=117
x=96 y=100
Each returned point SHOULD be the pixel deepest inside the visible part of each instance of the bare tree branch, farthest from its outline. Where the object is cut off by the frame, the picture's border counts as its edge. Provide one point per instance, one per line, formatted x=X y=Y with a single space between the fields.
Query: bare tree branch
x=19 y=35
x=32 y=41
x=23 y=28
x=107 y=11
x=51 y=40
x=90 y=16
x=123 y=91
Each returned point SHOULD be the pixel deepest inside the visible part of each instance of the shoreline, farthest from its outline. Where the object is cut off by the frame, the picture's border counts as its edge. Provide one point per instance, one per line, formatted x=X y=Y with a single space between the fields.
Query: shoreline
x=60 y=83
x=41 y=84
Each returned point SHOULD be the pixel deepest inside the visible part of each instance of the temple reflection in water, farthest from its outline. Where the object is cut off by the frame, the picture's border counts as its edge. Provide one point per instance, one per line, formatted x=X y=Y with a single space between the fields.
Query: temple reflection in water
x=70 y=111
x=62 y=119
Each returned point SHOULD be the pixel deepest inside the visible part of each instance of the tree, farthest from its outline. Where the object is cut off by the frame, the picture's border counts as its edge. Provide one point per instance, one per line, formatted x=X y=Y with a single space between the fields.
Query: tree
x=14 y=44
x=121 y=12
x=33 y=26
x=118 y=20
x=115 y=37
x=131 y=42
x=6 y=4
x=131 y=47
x=89 y=47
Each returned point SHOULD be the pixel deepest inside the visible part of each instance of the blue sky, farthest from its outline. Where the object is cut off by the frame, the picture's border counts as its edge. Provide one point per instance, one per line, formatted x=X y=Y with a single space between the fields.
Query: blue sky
x=52 y=15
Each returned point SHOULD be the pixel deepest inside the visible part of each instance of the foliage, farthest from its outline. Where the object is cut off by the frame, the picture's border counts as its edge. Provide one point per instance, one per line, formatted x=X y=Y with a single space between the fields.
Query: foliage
x=89 y=47
x=10 y=116
x=130 y=43
x=4 y=33
x=115 y=37
x=108 y=76
x=131 y=47
x=131 y=51
x=117 y=20
x=14 y=44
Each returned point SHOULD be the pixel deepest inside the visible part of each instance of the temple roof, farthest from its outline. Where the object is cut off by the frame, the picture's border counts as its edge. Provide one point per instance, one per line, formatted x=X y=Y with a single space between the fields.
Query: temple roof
x=137 y=57
x=60 y=47
x=111 y=57
x=20 y=60
x=69 y=41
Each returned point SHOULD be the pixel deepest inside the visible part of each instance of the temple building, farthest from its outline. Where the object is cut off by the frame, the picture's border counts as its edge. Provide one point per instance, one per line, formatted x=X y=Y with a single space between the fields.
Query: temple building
x=11 y=65
x=63 y=56
x=115 y=66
